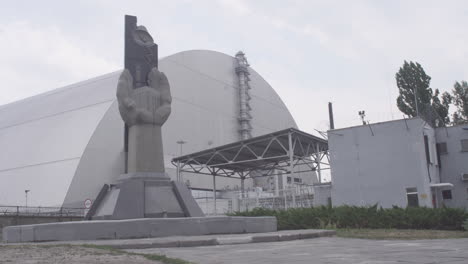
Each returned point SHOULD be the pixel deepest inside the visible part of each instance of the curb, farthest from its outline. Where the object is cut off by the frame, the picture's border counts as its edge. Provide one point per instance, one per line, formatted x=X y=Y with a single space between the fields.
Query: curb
x=200 y=242
x=196 y=241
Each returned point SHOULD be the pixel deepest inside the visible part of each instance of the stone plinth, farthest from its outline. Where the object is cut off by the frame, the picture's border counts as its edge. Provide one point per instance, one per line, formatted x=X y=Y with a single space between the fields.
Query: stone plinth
x=138 y=228
x=140 y=195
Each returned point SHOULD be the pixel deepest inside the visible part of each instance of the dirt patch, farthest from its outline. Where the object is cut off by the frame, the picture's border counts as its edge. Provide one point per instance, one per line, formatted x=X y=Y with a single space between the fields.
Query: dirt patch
x=66 y=254
x=400 y=234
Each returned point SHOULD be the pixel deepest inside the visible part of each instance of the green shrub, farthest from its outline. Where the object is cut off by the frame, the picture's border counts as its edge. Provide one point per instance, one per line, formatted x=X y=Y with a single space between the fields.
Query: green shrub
x=366 y=217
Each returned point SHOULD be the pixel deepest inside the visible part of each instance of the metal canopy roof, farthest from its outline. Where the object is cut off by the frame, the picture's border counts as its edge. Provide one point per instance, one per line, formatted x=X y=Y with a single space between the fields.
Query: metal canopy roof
x=442 y=184
x=266 y=155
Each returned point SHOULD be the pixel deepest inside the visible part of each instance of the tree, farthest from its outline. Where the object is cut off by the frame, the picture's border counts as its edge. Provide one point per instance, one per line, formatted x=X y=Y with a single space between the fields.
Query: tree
x=441 y=108
x=411 y=78
x=460 y=100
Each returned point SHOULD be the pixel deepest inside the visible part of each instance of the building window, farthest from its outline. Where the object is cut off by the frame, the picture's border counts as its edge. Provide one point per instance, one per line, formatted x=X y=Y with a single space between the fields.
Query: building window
x=442 y=148
x=288 y=179
x=297 y=180
x=412 y=197
x=465 y=177
x=447 y=194
x=464 y=145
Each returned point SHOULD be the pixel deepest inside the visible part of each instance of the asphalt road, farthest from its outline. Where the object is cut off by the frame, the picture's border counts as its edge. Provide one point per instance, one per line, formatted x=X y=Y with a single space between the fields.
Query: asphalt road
x=326 y=250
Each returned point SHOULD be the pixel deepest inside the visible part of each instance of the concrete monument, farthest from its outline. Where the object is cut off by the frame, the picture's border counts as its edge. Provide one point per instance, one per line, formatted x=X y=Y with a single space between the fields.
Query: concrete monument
x=143 y=202
x=144 y=111
x=144 y=97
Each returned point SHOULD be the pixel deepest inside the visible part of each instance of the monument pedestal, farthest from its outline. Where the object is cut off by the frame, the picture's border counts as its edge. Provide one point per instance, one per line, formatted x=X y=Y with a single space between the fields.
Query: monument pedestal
x=146 y=195
x=138 y=228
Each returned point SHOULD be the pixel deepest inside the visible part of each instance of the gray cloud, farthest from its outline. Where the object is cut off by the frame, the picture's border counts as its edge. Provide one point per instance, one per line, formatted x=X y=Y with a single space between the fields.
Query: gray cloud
x=311 y=52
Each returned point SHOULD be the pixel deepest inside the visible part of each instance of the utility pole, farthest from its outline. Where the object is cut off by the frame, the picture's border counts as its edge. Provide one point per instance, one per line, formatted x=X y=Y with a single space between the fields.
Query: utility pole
x=26 y=193
x=179 y=174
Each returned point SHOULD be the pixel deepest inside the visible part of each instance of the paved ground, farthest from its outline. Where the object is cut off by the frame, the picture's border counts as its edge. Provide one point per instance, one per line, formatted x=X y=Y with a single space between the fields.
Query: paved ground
x=326 y=250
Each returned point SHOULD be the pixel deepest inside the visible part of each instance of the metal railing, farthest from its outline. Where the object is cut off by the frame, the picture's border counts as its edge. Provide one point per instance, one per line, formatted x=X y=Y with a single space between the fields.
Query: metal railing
x=287 y=198
x=233 y=201
x=41 y=211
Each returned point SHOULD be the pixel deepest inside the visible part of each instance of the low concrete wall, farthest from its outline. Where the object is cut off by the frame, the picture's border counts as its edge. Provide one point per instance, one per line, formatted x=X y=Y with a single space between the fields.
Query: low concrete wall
x=13 y=220
x=138 y=228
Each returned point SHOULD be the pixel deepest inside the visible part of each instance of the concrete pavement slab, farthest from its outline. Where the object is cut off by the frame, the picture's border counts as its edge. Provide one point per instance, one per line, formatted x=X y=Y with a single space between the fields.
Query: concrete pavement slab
x=331 y=250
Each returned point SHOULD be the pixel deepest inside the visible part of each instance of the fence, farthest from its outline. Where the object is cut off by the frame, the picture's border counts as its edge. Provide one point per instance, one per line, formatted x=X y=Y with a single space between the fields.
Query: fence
x=284 y=199
x=233 y=201
x=41 y=211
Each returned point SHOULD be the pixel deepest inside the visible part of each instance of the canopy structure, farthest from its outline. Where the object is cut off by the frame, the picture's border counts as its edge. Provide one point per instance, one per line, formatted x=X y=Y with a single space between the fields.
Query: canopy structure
x=441 y=185
x=286 y=151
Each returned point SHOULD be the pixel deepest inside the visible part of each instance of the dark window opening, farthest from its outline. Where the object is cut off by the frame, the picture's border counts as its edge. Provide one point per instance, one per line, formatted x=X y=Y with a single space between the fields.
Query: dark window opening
x=413 y=200
x=442 y=147
x=447 y=194
x=288 y=179
x=464 y=145
x=297 y=180
x=412 y=197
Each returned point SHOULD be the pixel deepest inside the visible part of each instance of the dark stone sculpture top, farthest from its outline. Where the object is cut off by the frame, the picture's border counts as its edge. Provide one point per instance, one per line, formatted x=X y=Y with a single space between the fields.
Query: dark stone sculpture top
x=143 y=92
x=141 y=53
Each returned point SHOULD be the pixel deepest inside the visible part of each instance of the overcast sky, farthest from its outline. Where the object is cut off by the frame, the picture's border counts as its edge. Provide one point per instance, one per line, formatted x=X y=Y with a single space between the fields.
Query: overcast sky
x=311 y=52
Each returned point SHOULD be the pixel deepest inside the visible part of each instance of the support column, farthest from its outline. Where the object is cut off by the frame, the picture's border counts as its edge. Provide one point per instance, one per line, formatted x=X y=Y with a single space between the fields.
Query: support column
x=277 y=183
x=178 y=171
x=214 y=192
x=242 y=186
x=291 y=168
x=317 y=160
x=293 y=193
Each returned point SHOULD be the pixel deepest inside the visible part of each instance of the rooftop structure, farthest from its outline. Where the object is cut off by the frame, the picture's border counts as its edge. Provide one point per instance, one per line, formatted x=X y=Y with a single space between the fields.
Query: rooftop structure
x=398 y=163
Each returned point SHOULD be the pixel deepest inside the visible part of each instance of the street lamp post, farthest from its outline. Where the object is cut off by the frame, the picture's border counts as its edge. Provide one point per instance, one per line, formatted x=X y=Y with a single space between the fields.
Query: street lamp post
x=179 y=174
x=26 y=193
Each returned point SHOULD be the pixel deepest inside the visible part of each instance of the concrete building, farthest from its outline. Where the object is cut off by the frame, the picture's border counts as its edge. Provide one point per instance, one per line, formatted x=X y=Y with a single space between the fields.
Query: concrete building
x=65 y=144
x=452 y=145
x=402 y=162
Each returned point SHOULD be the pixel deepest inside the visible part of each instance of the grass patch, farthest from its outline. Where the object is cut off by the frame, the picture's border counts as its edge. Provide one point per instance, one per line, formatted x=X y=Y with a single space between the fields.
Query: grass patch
x=153 y=257
x=394 y=234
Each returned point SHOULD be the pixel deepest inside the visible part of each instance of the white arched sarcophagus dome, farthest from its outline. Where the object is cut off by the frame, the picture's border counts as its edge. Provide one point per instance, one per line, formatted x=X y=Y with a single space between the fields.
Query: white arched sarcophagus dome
x=65 y=144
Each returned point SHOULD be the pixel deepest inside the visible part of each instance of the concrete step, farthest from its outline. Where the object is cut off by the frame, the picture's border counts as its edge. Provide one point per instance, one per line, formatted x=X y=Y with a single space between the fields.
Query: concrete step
x=197 y=241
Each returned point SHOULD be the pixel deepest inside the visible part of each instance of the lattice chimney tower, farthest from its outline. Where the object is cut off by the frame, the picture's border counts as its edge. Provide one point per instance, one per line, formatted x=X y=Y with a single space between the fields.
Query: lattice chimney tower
x=242 y=71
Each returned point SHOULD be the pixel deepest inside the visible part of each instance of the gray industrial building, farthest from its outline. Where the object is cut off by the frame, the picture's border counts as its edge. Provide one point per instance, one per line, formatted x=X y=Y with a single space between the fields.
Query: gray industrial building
x=402 y=162
x=452 y=145
x=65 y=144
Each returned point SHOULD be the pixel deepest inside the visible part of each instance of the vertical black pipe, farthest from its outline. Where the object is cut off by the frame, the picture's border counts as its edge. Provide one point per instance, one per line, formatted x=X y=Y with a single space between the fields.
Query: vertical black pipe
x=330 y=115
